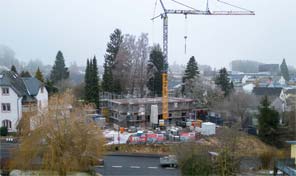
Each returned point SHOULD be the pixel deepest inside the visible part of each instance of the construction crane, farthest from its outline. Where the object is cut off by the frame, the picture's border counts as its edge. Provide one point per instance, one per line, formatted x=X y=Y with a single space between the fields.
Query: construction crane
x=189 y=11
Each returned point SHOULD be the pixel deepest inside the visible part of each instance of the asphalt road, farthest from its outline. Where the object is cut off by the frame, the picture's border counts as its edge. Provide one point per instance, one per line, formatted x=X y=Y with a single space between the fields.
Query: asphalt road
x=117 y=165
x=5 y=149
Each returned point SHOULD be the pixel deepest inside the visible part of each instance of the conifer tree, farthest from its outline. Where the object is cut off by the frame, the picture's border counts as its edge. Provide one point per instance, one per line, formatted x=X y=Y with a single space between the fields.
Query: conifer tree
x=92 y=88
x=51 y=89
x=39 y=75
x=13 y=69
x=223 y=81
x=285 y=70
x=25 y=74
x=155 y=68
x=191 y=72
x=94 y=79
x=109 y=83
x=191 y=69
x=59 y=71
x=87 y=81
x=268 y=122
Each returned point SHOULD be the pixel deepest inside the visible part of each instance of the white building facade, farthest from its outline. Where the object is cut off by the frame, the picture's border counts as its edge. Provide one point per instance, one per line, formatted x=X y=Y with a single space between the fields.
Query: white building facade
x=16 y=94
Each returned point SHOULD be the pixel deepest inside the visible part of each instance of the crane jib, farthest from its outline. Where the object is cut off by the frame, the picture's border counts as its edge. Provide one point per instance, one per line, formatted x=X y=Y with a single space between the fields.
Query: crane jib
x=193 y=11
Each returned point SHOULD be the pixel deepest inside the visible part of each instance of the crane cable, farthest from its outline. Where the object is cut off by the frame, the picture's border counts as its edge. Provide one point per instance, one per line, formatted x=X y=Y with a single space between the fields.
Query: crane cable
x=223 y=2
x=182 y=4
x=186 y=34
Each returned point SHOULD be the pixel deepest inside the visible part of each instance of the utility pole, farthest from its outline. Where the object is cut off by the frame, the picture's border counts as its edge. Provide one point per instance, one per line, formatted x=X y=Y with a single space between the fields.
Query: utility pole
x=192 y=11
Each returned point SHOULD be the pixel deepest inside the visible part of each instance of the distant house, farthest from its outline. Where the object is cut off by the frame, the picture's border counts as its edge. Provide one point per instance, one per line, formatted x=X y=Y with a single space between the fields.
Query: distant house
x=270 y=92
x=288 y=96
x=236 y=79
x=19 y=95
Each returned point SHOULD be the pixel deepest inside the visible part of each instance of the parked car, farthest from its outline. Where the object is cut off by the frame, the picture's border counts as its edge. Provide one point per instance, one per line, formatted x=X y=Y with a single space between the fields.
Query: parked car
x=170 y=160
x=99 y=162
x=132 y=129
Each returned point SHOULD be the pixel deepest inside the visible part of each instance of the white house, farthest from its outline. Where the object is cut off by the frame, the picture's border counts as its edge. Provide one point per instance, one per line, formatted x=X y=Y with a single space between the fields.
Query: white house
x=17 y=95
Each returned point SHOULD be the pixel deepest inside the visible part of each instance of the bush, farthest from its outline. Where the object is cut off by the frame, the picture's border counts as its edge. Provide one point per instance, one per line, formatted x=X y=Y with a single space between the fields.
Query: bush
x=226 y=163
x=266 y=158
x=3 y=131
x=197 y=165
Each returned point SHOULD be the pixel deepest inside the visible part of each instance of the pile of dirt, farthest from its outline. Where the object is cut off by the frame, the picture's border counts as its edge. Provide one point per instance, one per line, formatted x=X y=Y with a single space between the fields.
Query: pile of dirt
x=131 y=148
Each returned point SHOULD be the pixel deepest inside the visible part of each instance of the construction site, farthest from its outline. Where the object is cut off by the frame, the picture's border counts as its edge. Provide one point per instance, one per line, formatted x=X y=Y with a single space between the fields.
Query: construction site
x=138 y=111
x=147 y=111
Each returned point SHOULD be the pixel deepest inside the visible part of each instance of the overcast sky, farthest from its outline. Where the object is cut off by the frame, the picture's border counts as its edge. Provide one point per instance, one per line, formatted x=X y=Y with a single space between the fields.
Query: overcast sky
x=37 y=29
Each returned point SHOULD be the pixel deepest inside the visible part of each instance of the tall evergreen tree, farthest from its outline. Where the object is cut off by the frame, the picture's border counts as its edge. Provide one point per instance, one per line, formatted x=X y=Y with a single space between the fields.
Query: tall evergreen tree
x=13 y=68
x=191 y=69
x=94 y=78
x=268 y=122
x=155 y=68
x=285 y=70
x=87 y=81
x=39 y=75
x=223 y=81
x=109 y=83
x=92 y=88
x=59 y=70
x=191 y=72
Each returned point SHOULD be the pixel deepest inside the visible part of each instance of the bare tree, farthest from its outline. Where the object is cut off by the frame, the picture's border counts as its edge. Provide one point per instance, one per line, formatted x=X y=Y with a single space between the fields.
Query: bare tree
x=130 y=64
x=228 y=158
x=61 y=140
x=203 y=91
x=143 y=53
x=123 y=67
x=238 y=103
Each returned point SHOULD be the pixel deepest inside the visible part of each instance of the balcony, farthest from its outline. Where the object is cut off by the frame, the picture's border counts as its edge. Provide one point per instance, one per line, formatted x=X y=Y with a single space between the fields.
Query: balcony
x=29 y=108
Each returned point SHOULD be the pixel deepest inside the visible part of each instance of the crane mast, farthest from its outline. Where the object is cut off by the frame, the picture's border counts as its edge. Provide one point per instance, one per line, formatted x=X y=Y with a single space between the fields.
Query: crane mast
x=164 y=16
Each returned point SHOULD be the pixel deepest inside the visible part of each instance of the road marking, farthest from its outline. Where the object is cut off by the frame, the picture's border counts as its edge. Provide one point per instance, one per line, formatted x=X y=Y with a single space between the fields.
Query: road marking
x=169 y=168
x=117 y=166
x=152 y=167
x=135 y=167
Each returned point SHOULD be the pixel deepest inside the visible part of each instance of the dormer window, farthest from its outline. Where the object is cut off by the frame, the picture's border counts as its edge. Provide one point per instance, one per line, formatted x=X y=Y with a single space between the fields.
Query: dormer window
x=5 y=91
x=42 y=89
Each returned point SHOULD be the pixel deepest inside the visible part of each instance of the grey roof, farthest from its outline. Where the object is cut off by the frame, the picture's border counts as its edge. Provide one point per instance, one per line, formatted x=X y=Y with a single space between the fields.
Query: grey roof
x=33 y=85
x=14 y=81
x=236 y=77
x=21 y=87
x=268 y=91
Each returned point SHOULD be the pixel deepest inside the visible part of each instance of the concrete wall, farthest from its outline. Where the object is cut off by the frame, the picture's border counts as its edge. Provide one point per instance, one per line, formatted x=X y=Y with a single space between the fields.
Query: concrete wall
x=176 y=110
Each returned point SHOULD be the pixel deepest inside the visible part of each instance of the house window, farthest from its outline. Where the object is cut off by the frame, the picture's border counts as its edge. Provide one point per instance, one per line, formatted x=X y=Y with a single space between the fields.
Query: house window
x=5 y=91
x=6 y=123
x=5 y=107
x=42 y=89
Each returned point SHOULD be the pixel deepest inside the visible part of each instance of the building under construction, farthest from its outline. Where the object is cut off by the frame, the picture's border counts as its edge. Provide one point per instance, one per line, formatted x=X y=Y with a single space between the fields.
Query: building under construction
x=137 y=111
